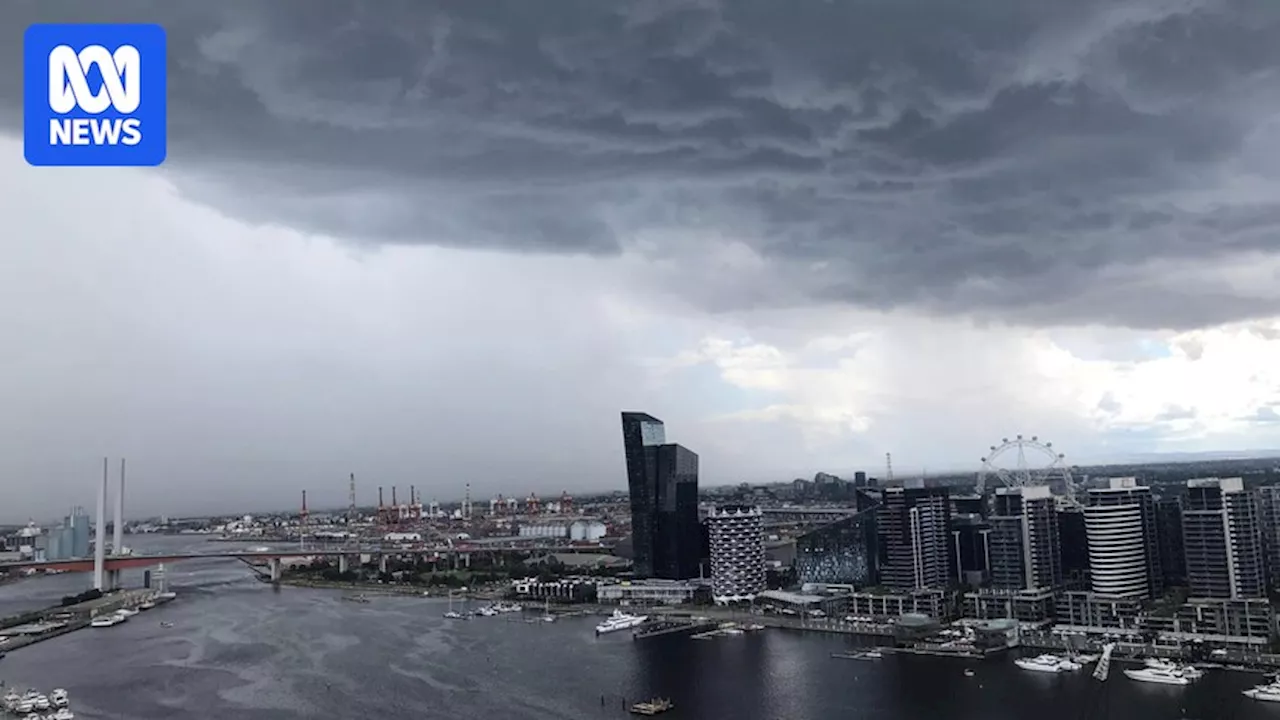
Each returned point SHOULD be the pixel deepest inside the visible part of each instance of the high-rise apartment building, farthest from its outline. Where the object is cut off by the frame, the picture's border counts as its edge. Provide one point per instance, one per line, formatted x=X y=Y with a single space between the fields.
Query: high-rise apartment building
x=1120 y=525
x=1023 y=545
x=1269 y=514
x=914 y=533
x=662 y=479
x=1173 y=561
x=1074 y=547
x=736 y=534
x=1222 y=540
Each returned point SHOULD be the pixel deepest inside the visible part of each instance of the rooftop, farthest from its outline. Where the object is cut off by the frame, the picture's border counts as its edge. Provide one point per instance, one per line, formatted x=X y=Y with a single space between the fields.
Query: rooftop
x=790 y=597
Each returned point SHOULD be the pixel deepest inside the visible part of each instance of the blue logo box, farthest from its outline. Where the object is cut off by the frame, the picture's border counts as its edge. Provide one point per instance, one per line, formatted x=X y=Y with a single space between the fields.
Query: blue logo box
x=94 y=95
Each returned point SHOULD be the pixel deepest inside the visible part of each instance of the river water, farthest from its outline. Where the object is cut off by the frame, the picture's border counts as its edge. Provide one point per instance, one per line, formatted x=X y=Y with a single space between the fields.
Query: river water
x=240 y=649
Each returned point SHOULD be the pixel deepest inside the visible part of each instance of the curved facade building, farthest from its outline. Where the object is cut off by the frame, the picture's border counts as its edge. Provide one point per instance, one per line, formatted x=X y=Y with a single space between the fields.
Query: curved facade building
x=736 y=534
x=1117 y=550
x=1119 y=524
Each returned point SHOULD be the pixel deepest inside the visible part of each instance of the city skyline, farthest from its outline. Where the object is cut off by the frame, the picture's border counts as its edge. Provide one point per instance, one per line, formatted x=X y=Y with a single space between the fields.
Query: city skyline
x=807 y=241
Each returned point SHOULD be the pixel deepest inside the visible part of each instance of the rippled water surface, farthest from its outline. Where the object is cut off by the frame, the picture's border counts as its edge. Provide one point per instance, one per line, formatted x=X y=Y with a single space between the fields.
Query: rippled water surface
x=239 y=649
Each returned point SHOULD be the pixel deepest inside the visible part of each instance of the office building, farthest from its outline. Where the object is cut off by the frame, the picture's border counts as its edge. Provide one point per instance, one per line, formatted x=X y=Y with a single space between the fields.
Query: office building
x=844 y=552
x=736 y=534
x=1024 y=545
x=662 y=479
x=1222 y=540
x=914 y=525
x=1120 y=525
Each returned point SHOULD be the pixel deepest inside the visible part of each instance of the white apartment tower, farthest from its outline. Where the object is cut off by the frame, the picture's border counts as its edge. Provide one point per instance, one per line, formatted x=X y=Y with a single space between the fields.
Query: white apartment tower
x=1120 y=526
x=736 y=534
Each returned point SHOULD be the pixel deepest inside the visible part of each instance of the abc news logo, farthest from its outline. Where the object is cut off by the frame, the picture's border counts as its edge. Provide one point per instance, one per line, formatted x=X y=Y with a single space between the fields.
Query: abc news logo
x=69 y=90
x=95 y=95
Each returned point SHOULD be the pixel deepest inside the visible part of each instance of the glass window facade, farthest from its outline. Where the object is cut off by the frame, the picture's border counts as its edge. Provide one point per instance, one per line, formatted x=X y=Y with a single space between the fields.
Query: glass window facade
x=662 y=480
x=840 y=553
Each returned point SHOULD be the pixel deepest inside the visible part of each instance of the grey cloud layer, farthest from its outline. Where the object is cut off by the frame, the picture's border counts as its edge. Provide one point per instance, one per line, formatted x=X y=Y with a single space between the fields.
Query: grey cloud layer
x=1015 y=158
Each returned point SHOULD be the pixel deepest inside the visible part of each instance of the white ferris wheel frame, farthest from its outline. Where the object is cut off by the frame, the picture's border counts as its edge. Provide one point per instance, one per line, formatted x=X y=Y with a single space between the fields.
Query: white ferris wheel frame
x=1023 y=474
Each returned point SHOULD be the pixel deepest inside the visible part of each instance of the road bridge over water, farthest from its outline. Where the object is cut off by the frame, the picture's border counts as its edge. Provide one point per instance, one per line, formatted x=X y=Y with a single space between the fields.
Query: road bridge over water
x=273 y=558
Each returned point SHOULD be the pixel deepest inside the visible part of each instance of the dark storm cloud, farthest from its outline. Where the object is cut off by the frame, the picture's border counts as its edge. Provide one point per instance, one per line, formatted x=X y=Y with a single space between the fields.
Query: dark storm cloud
x=996 y=157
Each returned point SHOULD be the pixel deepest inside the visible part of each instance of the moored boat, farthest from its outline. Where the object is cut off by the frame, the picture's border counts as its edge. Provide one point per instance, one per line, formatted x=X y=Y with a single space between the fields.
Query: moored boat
x=652 y=707
x=1046 y=663
x=1159 y=675
x=620 y=621
x=1270 y=692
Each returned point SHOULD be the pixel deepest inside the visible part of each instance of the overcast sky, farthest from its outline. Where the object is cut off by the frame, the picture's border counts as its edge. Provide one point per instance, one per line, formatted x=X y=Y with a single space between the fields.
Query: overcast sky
x=436 y=242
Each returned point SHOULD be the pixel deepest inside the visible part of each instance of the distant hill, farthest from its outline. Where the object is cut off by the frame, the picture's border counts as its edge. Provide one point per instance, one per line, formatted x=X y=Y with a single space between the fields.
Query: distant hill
x=1190 y=457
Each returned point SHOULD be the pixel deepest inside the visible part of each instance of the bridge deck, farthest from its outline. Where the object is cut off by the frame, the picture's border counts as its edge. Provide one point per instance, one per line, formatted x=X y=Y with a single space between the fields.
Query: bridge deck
x=124 y=562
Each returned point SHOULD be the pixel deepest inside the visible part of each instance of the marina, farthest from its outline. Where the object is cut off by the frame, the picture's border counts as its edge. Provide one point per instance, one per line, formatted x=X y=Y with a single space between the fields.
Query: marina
x=102 y=611
x=35 y=705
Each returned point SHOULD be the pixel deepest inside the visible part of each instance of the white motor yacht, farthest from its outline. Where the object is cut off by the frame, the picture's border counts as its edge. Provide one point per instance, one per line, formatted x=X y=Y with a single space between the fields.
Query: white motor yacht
x=106 y=621
x=1269 y=692
x=1044 y=663
x=1161 y=675
x=58 y=697
x=1190 y=672
x=620 y=621
x=41 y=702
x=126 y=612
x=62 y=714
x=453 y=615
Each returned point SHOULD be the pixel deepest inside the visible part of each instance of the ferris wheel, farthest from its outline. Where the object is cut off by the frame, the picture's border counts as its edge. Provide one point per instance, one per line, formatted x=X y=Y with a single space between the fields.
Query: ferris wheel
x=1023 y=462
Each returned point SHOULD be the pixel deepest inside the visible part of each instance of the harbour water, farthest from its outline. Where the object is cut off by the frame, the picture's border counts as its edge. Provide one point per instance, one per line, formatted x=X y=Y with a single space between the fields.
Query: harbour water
x=238 y=648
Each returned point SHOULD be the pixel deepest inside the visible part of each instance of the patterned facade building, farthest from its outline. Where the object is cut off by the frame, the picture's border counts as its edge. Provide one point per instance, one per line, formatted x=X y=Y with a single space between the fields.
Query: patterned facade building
x=736 y=534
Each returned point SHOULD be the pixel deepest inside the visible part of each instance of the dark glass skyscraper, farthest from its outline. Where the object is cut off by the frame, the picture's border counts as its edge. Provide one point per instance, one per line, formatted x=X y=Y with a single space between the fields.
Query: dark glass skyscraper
x=662 y=479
